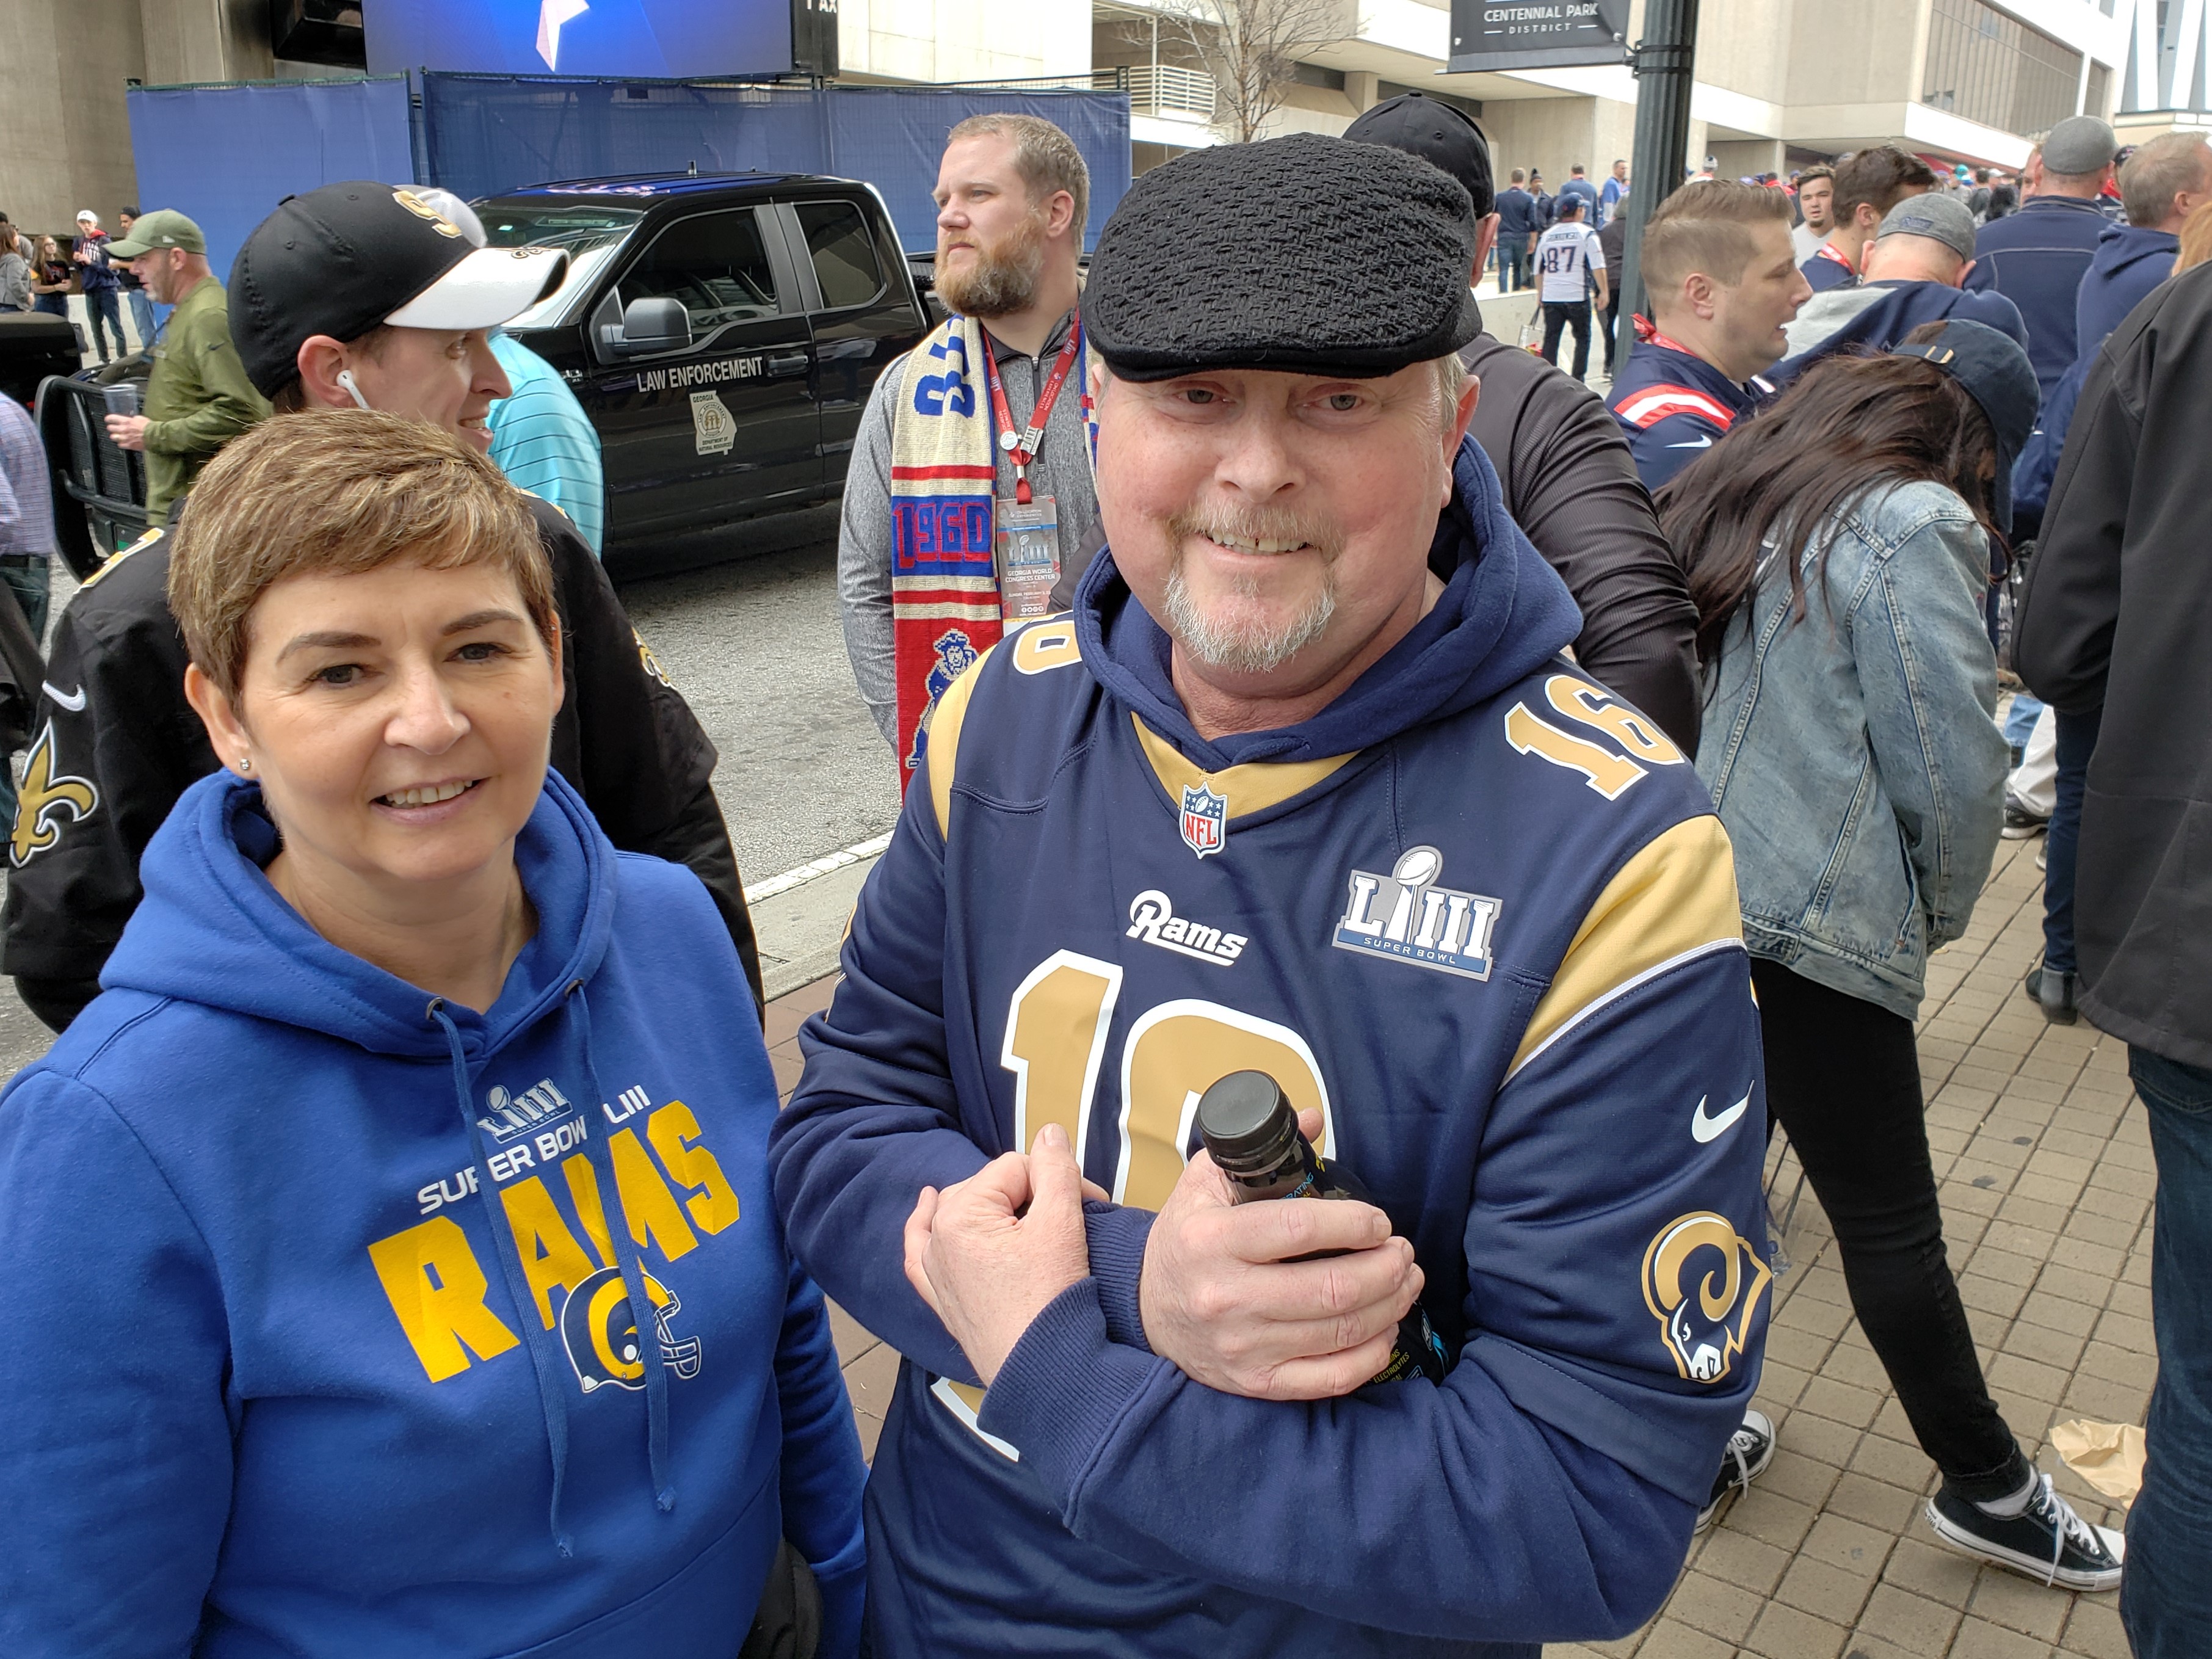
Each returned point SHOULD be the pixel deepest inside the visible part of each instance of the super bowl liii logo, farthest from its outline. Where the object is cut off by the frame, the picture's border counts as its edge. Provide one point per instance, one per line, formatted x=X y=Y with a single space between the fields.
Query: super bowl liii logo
x=1405 y=914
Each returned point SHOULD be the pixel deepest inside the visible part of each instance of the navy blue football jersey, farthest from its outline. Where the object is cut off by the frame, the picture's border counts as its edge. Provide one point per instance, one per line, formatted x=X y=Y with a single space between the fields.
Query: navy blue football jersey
x=1477 y=913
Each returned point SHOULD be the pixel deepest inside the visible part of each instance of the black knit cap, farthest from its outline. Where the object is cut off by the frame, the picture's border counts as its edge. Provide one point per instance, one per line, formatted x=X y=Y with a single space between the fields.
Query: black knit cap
x=1441 y=135
x=1304 y=255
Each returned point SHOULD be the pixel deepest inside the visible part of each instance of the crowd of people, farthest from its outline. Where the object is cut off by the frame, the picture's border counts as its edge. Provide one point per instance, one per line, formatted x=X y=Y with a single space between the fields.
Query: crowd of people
x=1546 y=796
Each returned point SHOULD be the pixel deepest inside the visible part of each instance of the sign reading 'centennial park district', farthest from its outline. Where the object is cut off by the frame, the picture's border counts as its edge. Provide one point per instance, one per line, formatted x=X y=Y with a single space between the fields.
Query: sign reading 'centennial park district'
x=1526 y=34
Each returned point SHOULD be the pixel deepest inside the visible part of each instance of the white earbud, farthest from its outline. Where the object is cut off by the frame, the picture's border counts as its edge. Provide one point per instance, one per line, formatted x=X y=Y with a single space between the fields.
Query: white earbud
x=345 y=379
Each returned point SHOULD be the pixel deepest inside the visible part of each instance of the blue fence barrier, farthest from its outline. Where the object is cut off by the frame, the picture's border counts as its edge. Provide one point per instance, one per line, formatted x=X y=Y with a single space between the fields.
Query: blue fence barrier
x=225 y=154
x=483 y=134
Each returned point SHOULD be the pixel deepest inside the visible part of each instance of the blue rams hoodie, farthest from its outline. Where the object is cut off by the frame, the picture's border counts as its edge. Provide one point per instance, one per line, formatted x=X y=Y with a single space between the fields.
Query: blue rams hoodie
x=338 y=1279
x=1477 y=913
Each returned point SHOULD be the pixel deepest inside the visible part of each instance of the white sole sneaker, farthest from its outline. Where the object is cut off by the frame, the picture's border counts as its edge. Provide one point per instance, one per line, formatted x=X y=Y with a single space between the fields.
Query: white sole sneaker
x=2041 y=1568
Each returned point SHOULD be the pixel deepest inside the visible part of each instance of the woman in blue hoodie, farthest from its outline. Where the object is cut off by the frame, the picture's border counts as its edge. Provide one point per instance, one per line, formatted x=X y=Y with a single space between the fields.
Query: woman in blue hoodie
x=405 y=1090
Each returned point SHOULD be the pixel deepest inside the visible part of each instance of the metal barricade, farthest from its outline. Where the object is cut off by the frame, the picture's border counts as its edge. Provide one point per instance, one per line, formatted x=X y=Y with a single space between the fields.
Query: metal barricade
x=108 y=484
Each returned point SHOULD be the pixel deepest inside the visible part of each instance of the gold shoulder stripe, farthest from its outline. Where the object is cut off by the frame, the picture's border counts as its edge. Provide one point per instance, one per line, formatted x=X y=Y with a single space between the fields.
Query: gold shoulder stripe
x=113 y=559
x=1677 y=898
x=944 y=749
x=1252 y=787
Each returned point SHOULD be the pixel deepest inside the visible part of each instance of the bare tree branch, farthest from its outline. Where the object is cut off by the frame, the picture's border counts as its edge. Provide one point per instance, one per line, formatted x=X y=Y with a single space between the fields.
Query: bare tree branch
x=1251 y=48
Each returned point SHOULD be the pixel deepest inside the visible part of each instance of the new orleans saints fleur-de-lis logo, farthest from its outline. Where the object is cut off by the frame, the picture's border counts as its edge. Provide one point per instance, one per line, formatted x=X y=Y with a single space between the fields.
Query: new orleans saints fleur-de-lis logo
x=43 y=798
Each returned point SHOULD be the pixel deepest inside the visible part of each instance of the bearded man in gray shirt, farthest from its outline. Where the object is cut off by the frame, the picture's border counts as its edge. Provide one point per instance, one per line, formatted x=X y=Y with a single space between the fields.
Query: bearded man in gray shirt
x=970 y=498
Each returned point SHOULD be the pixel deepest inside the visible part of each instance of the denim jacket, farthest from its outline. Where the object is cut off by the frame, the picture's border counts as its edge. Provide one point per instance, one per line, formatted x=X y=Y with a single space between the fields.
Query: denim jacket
x=1853 y=757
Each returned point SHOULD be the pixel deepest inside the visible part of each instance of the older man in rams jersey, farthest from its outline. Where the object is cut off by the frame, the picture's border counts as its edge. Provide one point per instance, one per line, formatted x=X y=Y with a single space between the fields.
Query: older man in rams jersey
x=1303 y=784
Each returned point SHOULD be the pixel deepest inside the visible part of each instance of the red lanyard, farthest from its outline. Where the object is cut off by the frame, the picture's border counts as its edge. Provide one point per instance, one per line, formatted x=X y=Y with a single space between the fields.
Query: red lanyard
x=1023 y=449
x=1828 y=251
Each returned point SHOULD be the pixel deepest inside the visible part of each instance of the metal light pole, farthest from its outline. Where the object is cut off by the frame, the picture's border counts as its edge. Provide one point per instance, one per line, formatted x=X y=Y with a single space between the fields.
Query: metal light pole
x=1663 y=64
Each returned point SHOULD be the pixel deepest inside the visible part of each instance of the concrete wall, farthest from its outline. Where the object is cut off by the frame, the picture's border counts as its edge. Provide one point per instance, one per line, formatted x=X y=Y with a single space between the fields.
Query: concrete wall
x=66 y=143
x=1549 y=135
x=961 y=39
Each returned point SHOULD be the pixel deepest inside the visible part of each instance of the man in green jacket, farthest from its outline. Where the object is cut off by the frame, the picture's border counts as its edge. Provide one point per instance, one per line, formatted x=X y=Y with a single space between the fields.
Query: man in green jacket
x=199 y=398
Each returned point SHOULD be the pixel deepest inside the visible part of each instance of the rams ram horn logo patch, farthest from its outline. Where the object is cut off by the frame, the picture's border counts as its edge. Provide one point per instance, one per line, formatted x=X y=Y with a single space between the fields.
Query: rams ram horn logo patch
x=601 y=1335
x=1703 y=1281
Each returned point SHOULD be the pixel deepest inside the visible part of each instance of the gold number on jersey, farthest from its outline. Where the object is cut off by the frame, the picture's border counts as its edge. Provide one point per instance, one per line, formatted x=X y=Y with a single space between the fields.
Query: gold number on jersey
x=1048 y=645
x=1609 y=774
x=1578 y=700
x=1056 y=1044
x=1174 y=1053
x=1055 y=1039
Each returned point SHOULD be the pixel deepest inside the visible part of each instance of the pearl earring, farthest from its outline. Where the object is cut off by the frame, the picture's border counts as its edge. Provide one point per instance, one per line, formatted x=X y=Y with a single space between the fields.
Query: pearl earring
x=245 y=765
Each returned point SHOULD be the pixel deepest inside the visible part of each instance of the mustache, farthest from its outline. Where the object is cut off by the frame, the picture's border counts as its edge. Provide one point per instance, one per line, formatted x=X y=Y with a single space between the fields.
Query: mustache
x=1243 y=521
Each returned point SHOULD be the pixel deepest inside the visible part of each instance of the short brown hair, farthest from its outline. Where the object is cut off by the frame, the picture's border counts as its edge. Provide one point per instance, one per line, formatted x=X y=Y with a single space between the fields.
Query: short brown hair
x=1046 y=157
x=1705 y=226
x=342 y=491
x=1821 y=171
x=2159 y=171
x=1880 y=178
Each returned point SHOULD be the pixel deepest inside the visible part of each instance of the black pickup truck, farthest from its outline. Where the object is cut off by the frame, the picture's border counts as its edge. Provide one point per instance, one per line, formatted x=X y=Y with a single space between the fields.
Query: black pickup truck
x=722 y=332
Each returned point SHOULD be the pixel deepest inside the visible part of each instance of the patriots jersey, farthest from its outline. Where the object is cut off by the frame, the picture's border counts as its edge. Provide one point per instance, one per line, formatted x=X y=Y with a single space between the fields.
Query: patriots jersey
x=1499 y=950
x=1674 y=406
x=1828 y=269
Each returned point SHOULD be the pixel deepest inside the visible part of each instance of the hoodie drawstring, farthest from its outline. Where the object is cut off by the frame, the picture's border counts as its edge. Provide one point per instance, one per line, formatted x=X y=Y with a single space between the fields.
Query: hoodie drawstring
x=644 y=1320
x=552 y=1396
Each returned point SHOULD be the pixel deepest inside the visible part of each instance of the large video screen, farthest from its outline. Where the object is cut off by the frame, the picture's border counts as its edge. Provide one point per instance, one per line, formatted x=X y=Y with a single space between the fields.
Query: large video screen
x=642 y=38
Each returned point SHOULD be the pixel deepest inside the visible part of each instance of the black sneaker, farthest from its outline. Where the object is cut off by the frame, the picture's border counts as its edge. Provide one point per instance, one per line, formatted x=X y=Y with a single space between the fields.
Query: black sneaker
x=1749 y=1450
x=2046 y=1541
x=2052 y=993
x=2020 y=822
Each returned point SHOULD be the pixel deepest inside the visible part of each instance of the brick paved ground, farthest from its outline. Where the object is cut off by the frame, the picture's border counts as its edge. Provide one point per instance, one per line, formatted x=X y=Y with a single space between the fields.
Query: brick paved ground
x=2046 y=1180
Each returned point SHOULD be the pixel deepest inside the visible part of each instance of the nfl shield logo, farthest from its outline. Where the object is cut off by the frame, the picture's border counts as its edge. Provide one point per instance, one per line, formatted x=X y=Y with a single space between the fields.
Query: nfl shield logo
x=1205 y=820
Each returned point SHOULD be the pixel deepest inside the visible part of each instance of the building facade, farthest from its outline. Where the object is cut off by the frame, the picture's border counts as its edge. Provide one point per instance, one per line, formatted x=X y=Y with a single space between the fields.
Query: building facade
x=1779 y=82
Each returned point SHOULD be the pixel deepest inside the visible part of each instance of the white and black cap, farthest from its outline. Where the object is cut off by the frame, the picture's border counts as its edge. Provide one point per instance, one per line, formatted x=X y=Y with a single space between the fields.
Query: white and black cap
x=350 y=258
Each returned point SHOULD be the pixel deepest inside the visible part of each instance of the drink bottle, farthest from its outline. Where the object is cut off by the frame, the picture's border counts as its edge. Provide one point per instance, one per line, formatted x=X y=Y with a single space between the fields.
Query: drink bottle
x=1251 y=1129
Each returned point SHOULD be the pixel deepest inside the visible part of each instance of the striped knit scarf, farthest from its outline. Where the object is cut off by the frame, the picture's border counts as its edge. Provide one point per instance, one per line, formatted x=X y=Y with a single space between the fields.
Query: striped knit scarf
x=945 y=586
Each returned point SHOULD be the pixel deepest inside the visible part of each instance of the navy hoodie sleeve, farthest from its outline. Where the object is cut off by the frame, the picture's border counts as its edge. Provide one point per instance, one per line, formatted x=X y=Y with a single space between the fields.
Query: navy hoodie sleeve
x=821 y=1483
x=1547 y=1489
x=876 y=1073
x=115 y=1437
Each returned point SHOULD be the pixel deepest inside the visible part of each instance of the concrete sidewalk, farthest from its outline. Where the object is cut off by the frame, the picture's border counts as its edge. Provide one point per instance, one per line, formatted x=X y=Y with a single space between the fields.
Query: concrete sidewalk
x=2046 y=1180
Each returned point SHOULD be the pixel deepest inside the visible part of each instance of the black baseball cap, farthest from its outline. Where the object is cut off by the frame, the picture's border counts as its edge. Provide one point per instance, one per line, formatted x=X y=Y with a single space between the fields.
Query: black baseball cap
x=1999 y=377
x=1443 y=135
x=348 y=258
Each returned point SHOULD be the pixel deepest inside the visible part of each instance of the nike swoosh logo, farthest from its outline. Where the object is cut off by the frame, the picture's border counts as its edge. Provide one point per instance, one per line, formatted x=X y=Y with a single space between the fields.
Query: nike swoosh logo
x=1703 y=443
x=75 y=703
x=1705 y=1128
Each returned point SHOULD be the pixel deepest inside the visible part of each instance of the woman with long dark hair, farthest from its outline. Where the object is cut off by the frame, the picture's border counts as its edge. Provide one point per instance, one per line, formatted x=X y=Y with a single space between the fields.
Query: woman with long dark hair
x=1838 y=548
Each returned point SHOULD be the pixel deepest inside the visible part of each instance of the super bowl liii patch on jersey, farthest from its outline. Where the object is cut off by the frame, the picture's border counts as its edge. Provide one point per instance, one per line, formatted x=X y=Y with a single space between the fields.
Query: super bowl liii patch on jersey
x=1406 y=915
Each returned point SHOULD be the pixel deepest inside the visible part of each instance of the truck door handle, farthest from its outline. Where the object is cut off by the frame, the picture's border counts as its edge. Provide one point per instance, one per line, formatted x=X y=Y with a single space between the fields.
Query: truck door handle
x=796 y=363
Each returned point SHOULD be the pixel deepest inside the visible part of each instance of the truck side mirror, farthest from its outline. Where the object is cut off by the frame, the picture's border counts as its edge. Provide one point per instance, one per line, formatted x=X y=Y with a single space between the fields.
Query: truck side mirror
x=649 y=325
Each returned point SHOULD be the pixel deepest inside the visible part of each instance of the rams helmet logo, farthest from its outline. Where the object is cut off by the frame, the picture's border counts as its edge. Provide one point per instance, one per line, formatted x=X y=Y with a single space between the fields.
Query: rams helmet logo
x=601 y=1335
x=43 y=798
x=1702 y=1282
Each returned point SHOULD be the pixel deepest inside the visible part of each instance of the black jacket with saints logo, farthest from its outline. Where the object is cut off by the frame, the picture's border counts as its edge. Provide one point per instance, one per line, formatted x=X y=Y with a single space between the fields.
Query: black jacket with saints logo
x=114 y=744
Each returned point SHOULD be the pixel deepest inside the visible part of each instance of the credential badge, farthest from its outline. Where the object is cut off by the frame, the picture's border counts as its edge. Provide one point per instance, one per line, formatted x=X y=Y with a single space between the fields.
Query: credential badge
x=1204 y=819
x=1406 y=915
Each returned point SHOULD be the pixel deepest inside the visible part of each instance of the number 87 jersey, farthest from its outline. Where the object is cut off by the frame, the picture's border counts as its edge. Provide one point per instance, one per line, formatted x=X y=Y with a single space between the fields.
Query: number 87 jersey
x=1494 y=941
